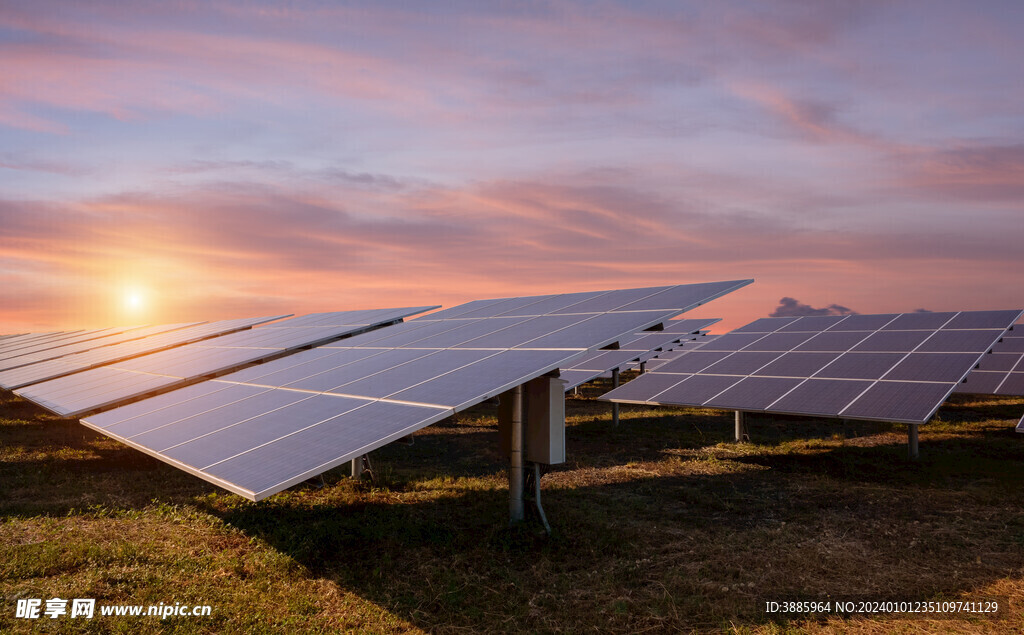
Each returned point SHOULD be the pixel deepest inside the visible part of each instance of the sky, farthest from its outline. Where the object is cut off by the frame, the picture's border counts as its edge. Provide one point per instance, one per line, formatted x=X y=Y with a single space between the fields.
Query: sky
x=168 y=161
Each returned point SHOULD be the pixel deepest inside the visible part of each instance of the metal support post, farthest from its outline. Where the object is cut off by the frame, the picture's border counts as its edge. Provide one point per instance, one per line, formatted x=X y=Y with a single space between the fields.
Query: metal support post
x=615 y=405
x=360 y=465
x=643 y=367
x=516 y=473
x=741 y=427
x=912 y=441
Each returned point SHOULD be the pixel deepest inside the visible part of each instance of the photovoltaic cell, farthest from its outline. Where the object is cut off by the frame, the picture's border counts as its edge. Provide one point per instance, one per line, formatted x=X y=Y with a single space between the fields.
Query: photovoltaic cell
x=754 y=393
x=339 y=374
x=860 y=366
x=892 y=341
x=814 y=323
x=693 y=362
x=797 y=364
x=698 y=389
x=925 y=320
x=614 y=300
x=227 y=441
x=834 y=342
x=741 y=363
x=943 y=367
x=981 y=320
x=766 y=325
x=864 y=322
x=898 y=401
x=521 y=333
x=481 y=380
x=273 y=466
x=1012 y=385
x=998 y=362
x=781 y=342
x=823 y=397
x=981 y=383
x=734 y=341
x=957 y=341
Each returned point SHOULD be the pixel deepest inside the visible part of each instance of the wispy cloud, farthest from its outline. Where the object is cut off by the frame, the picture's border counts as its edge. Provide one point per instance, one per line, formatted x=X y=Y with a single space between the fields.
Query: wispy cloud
x=259 y=156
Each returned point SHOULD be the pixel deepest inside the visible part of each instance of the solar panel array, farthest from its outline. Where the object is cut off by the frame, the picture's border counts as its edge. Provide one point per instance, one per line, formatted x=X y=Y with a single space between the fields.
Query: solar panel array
x=108 y=385
x=893 y=367
x=68 y=344
x=1002 y=372
x=638 y=347
x=27 y=337
x=85 y=355
x=263 y=429
x=13 y=343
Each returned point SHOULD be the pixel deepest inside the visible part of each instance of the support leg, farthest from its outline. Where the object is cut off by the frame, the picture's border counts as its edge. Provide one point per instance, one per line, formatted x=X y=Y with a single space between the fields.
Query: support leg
x=515 y=460
x=615 y=406
x=912 y=442
x=360 y=465
x=741 y=427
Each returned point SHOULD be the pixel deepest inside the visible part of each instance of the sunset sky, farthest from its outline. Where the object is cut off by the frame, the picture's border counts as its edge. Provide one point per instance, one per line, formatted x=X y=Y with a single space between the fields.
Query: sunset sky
x=171 y=161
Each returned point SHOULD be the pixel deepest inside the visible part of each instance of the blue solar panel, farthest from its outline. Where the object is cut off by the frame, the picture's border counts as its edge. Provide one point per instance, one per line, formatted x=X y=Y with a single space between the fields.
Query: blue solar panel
x=900 y=372
x=294 y=418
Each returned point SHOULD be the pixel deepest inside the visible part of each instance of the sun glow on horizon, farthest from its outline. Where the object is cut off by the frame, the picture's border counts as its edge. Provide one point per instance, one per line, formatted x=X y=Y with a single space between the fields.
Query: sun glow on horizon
x=134 y=300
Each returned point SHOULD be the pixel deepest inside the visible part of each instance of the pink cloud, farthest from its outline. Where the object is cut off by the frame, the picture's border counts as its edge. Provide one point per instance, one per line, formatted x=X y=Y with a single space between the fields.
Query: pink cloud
x=977 y=172
x=222 y=250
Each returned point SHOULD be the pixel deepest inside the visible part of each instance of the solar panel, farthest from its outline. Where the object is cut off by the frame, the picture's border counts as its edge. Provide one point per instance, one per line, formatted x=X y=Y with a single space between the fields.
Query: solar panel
x=163 y=338
x=900 y=371
x=997 y=373
x=72 y=348
x=23 y=338
x=639 y=347
x=104 y=386
x=15 y=349
x=301 y=417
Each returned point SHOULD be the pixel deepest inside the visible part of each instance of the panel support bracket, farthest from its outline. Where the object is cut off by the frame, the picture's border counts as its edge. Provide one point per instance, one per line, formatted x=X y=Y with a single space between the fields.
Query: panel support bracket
x=615 y=405
x=516 y=473
x=361 y=465
x=912 y=450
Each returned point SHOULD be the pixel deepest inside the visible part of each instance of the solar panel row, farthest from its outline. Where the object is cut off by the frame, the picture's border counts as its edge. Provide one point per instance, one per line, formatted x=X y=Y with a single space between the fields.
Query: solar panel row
x=85 y=355
x=38 y=345
x=892 y=367
x=63 y=347
x=262 y=429
x=99 y=387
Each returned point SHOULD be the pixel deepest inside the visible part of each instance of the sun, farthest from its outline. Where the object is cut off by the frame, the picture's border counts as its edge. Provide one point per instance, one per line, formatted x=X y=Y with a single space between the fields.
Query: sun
x=134 y=300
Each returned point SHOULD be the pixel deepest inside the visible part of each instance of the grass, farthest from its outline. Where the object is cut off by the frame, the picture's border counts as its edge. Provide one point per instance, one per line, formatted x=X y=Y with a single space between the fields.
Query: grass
x=661 y=524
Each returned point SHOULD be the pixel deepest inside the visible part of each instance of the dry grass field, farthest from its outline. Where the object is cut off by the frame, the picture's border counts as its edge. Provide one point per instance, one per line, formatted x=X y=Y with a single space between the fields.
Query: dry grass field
x=660 y=525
